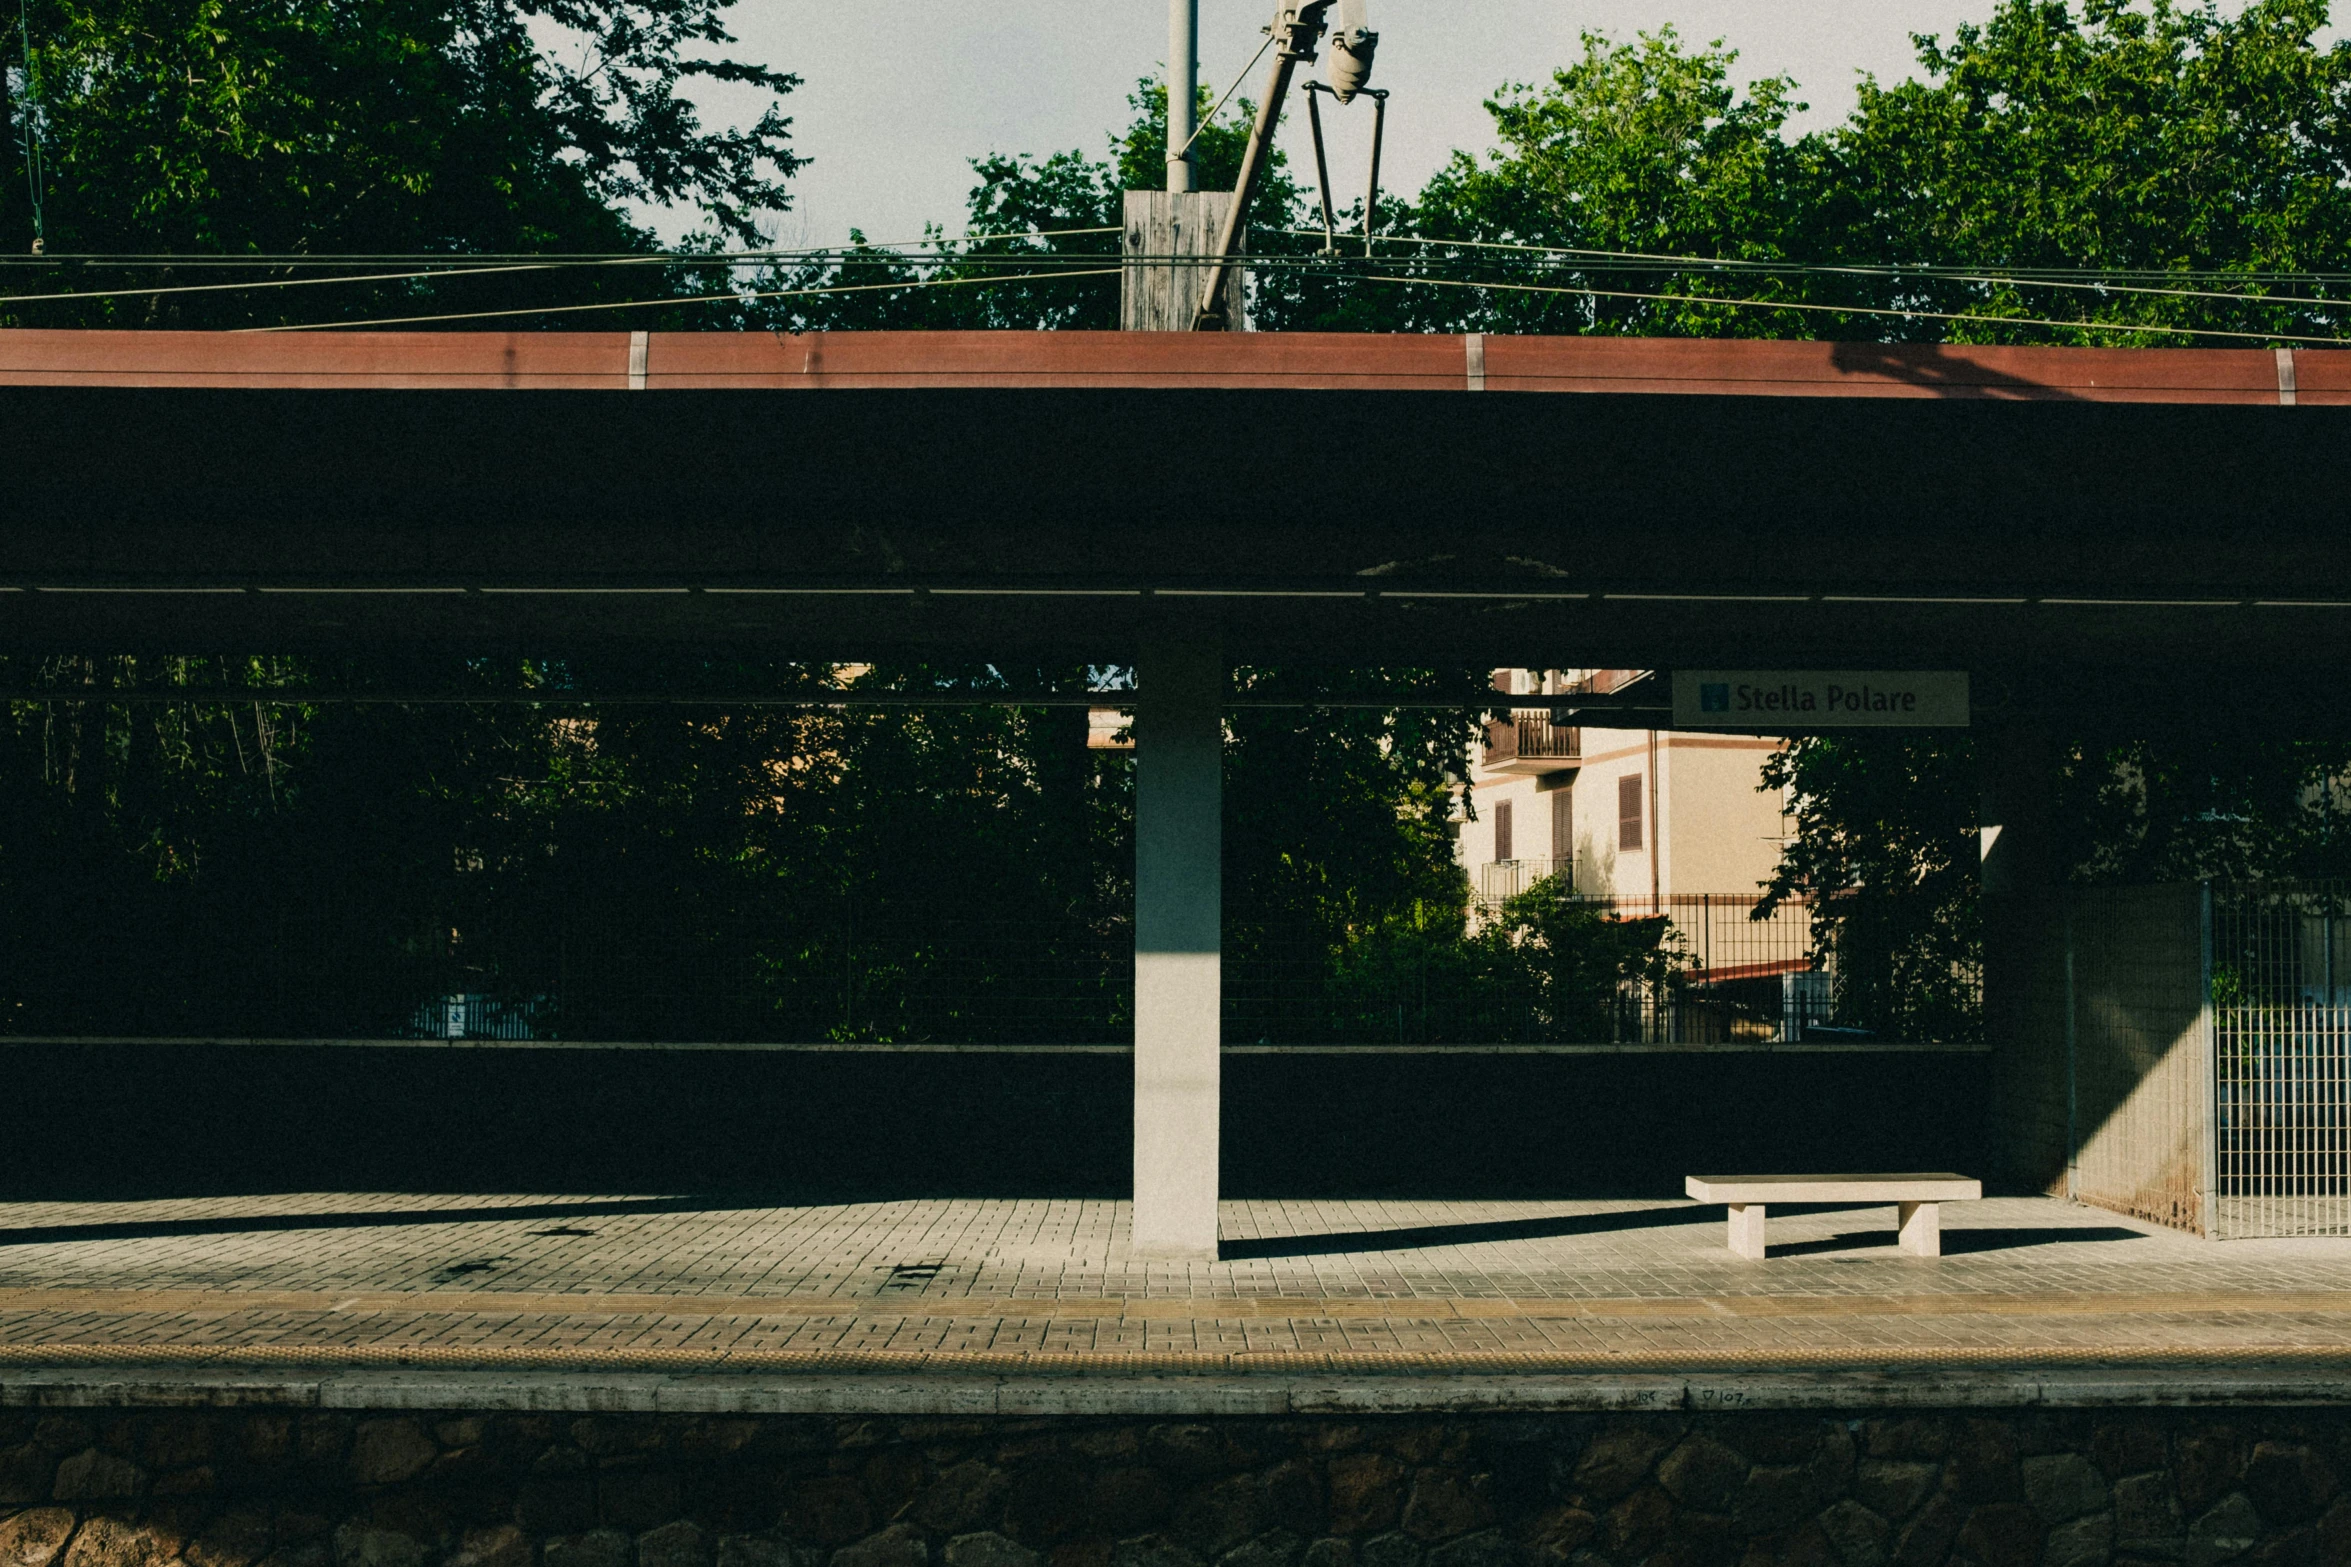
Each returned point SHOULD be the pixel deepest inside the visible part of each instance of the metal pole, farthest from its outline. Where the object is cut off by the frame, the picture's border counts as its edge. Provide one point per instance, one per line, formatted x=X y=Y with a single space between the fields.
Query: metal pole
x=1296 y=31
x=1183 y=89
x=1371 y=194
x=1253 y=157
x=1322 y=172
x=1656 y=835
x=2073 y=1071
x=2208 y=1177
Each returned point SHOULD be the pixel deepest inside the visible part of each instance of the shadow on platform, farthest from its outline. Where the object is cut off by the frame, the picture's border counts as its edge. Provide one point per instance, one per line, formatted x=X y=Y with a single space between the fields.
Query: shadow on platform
x=378 y=1218
x=1345 y=1242
x=1961 y=1242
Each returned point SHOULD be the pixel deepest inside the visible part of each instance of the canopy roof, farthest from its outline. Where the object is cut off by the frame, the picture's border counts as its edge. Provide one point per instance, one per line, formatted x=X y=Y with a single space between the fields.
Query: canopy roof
x=2043 y=513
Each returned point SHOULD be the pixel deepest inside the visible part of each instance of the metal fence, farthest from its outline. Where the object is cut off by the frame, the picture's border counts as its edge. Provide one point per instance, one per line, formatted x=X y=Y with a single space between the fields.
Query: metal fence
x=1719 y=977
x=553 y=975
x=1781 y=978
x=1678 y=971
x=2280 y=990
x=1743 y=978
x=2206 y=1030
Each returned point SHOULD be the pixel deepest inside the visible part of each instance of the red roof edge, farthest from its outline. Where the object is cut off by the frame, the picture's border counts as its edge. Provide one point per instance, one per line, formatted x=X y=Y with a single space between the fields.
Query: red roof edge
x=1270 y=360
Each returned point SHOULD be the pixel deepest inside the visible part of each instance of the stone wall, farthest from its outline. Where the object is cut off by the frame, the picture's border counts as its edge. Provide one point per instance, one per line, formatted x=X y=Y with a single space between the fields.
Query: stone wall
x=279 y=1489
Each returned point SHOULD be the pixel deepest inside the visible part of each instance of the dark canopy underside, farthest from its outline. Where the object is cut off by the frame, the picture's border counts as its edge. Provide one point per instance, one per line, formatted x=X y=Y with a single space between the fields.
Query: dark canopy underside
x=2081 y=553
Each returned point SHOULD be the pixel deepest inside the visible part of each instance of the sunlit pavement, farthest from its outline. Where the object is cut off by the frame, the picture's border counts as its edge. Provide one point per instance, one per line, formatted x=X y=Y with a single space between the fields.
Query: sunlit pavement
x=529 y=1280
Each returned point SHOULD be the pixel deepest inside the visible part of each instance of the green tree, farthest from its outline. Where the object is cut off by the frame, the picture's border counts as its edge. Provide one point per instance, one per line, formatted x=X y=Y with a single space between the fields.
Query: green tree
x=1886 y=844
x=1590 y=971
x=1885 y=851
x=1637 y=151
x=2146 y=165
x=2225 y=804
x=214 y=129
x=2133 y=147
x=1338 y=845
x=2157 y=167
x=594 y=870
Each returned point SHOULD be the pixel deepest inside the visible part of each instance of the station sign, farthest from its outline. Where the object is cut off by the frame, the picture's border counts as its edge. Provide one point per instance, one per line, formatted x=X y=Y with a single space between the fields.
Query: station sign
x=1797 y=701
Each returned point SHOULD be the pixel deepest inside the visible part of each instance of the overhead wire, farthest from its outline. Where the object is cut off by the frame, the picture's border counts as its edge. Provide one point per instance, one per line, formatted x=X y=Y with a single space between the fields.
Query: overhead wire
x=838 y=258
x=2280 y=300
x=1210 y=116
x=2016 y=279
x=2160 y=329
x=1071 y=265
x=1641 y=260
x=850 y=257
x=1750 y=263
x=738 y=296
x=295 y=282
x=380 y=257
x=882 y=256
x=35 y=175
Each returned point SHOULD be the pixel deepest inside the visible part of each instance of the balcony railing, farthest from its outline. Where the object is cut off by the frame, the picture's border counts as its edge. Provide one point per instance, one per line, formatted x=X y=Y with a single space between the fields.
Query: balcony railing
x=1527 y=741
x=1502 y=879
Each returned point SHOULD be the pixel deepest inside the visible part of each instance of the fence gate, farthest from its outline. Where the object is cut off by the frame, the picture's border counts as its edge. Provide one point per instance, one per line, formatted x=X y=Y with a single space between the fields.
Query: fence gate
x=2208 y=1055
x=2281 y=1027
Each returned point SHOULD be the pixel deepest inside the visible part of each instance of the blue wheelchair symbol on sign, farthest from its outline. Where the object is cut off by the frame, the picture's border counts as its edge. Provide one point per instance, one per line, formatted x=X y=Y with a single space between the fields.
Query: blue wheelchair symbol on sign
x=1714 y=696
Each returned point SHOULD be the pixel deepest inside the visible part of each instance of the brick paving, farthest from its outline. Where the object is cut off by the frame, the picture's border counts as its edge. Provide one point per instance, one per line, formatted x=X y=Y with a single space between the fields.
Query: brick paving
x=508 y=1280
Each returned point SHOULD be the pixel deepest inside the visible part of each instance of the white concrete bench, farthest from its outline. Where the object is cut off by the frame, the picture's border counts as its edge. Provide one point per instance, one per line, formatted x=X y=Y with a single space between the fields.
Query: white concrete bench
x=1914 y=1196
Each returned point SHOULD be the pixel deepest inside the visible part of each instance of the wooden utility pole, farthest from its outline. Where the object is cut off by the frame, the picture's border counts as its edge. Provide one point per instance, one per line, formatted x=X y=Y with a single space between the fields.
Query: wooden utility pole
x=1161 y=290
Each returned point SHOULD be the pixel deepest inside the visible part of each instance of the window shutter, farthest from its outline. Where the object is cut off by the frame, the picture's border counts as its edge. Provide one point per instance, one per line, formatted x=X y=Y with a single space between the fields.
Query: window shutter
x=1563 y=828
x=1628 y=811
x=1502 y=831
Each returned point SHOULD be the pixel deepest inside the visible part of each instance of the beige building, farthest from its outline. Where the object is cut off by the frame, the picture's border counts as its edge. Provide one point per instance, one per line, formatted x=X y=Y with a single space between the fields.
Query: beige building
x=1637 y=814
x=1658 y=822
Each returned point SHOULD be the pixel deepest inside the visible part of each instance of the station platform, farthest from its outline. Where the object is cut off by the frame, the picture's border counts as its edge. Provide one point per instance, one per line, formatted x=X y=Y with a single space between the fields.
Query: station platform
x=693 y=1301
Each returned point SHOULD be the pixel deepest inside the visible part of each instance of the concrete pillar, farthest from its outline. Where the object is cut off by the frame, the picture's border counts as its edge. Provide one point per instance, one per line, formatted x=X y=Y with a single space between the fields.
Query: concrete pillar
x=1179 y=984
x=2022 y=925
x=2016 y=778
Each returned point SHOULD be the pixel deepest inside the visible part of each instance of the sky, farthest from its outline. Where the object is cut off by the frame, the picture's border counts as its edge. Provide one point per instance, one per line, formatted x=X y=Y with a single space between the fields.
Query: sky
x=896 y=100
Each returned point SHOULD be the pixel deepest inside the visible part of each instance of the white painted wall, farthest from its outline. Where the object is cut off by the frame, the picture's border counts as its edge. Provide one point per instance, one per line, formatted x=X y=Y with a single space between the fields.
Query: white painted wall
x=1710 y=827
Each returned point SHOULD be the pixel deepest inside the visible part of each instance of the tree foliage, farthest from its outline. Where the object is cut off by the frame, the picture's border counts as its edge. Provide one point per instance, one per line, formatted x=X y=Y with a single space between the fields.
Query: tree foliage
x=2138 y=165
x=1640 y=149
x=1885 y=850
x=616 y=871
x=212 y=129
x=2116 y=139
x=2152 y=167
x=2225 y=804
x=1886 y=842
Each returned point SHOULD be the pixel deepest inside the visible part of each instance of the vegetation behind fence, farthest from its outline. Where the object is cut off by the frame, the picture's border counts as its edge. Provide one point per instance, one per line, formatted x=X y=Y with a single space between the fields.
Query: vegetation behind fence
x=1542 y=967
x=805 y=869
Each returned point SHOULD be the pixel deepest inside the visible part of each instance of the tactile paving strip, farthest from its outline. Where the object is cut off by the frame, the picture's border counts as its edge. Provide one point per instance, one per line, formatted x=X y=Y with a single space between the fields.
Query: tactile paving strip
x=1046 y=1363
